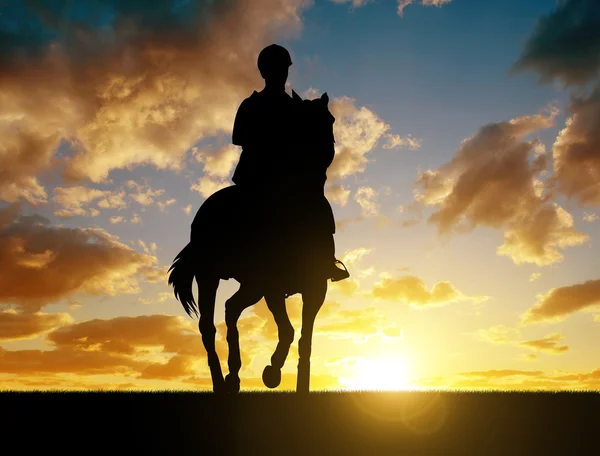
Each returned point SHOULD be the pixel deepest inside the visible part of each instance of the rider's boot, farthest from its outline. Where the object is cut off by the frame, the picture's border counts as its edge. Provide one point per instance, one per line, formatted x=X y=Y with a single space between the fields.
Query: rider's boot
x=338 y=274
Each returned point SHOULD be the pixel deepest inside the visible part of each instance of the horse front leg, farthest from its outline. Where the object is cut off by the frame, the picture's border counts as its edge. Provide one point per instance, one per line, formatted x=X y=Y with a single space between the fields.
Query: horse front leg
x=245 y=297
x=312 y=301
x=207 y=293
x=272 y=374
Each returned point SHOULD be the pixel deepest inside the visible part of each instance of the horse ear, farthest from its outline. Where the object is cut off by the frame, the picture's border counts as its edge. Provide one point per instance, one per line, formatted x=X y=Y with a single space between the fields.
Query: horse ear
x=296 y=96
x=325 y=98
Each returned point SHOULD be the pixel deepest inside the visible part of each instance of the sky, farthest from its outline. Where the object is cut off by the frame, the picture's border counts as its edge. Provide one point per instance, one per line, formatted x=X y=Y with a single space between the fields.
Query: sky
x=465 y=189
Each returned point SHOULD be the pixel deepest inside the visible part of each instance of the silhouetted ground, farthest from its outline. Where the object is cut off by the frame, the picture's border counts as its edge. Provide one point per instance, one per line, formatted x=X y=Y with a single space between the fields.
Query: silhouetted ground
x=331 y=423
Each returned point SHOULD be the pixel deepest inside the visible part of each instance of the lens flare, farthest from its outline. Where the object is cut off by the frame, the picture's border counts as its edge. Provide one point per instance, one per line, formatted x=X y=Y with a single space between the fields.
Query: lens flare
x=386 y=373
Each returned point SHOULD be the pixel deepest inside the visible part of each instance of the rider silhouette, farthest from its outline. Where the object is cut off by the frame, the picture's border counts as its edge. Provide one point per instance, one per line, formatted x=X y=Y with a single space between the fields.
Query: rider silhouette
x=263 y=128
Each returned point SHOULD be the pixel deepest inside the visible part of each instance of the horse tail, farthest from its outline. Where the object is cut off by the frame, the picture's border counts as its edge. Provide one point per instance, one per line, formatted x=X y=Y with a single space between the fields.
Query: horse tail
x=182 y=278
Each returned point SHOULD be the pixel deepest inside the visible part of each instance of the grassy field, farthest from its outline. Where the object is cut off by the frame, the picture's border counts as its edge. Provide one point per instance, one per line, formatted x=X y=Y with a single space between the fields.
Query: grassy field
x=328 y=423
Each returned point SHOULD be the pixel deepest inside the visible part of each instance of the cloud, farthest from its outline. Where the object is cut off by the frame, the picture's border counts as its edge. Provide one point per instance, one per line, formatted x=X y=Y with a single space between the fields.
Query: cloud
x=354 y=256
x=139 y=88
x=23 y=326
x=129 y=335
x=116 y=219
x=128 y=346
x=549 y=344
x=144 y=195
x=412 y=290
x=494 y=180
x=206 y=186
x=515 y=379
x=501 y=334
x=188 y=209
x=337 y=194
x=534 y=276
x=577 y=151
x=357 y=131
x=366 y=197
x=65 y=361
x=355 y=3
x=395 y=141
x=357 y=324
x=218 y=163
x=404 y=3
x=73 y=199
x=502 y=373
x=558 y=303
x=565 y=44
x=42 y=264
x=590 y=217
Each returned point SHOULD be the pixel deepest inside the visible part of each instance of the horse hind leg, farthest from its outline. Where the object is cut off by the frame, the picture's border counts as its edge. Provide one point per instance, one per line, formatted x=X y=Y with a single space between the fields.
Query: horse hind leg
x=207 y=293
x=272 y=374
x=245 y=297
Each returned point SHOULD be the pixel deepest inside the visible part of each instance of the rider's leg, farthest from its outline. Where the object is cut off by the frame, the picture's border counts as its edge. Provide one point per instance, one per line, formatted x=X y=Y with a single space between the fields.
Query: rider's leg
x=334 y=272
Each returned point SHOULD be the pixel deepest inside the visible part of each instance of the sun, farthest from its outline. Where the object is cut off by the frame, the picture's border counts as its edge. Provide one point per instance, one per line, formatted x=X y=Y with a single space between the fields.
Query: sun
x=384 y=373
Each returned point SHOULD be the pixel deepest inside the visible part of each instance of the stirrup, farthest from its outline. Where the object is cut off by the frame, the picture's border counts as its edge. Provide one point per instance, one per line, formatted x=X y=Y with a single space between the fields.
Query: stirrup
x=345 y=272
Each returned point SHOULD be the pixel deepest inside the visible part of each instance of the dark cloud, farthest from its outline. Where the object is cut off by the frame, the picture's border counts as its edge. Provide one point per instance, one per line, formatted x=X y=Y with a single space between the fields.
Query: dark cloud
x=565 y=44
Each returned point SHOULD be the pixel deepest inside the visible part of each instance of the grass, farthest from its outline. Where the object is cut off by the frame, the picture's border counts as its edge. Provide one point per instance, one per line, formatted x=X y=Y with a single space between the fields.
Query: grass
x=329 y=423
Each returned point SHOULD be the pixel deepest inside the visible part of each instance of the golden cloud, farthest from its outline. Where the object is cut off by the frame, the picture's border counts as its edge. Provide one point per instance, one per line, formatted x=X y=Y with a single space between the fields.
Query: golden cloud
x=558 y=303
x=577 y=152
x=493 y=181
x=412 y=290
x=549 y=344
x=501 y=334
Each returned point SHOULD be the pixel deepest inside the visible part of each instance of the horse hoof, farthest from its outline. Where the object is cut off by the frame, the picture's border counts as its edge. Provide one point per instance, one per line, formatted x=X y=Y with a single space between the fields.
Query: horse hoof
x=220 y=388
x=232 y=384
x=271 y=377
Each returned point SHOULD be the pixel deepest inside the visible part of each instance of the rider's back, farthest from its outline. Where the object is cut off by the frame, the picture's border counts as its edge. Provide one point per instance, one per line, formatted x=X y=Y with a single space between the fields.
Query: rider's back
x=262 y=127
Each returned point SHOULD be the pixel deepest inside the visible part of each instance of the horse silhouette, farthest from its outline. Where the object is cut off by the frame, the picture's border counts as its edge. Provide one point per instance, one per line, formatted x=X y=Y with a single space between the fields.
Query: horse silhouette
x=225 y=243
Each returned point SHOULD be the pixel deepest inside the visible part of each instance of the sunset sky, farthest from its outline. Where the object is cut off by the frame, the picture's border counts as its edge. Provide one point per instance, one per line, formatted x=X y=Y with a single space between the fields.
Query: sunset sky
x=465 y=187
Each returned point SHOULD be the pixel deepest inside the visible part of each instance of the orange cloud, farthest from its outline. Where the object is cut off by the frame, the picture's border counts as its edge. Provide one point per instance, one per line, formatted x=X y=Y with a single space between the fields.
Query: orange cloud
x=23 y=326
x=42 y=264
x=560 y=302
x=125 y=346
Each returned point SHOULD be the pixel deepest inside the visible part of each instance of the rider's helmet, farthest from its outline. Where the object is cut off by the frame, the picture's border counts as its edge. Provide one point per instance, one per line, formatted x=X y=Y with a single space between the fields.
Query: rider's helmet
x=273 y=59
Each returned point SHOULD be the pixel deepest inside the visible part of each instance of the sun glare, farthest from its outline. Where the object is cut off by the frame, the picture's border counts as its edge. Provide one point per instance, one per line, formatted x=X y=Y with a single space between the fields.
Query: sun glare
x=387 y=373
